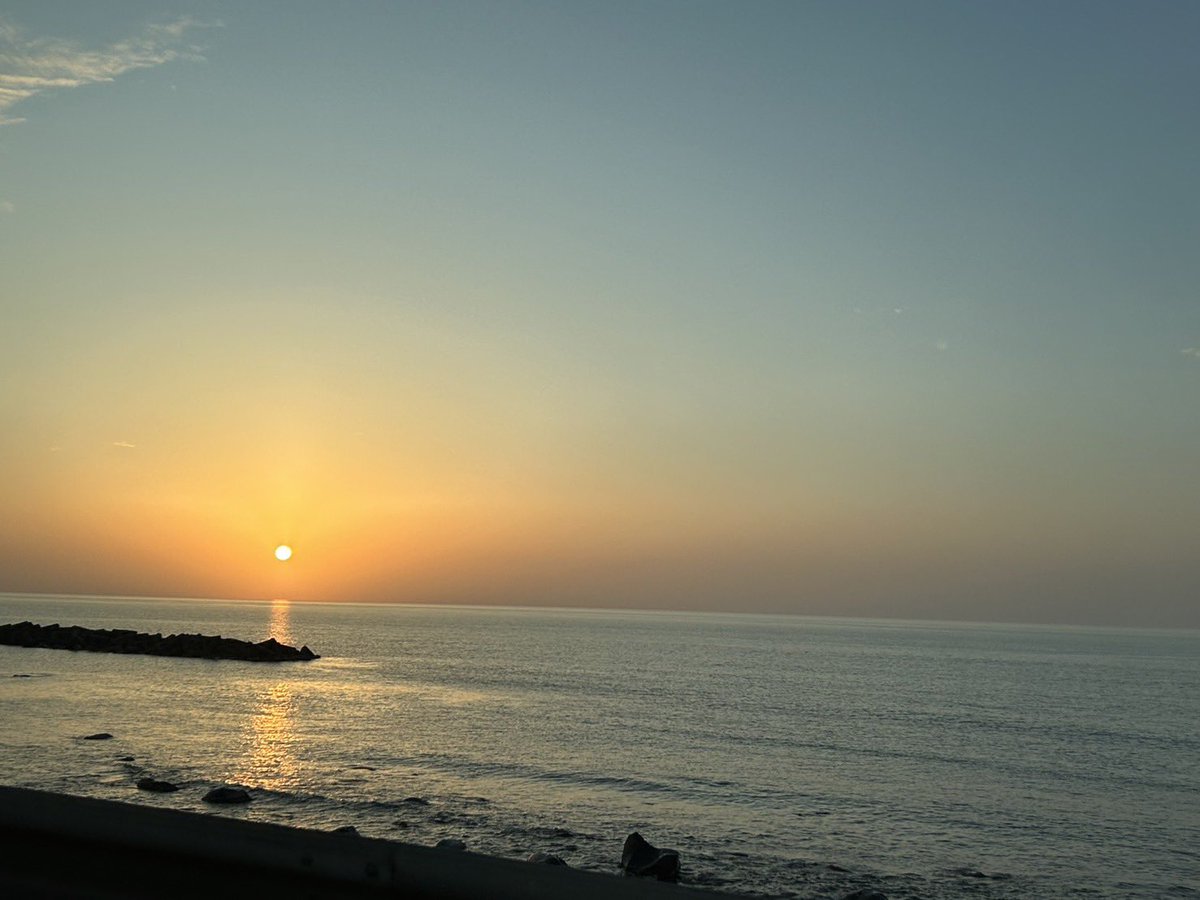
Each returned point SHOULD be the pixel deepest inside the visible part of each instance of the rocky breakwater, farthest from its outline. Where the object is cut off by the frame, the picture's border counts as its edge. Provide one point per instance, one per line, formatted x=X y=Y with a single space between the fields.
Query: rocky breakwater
x=116 y=640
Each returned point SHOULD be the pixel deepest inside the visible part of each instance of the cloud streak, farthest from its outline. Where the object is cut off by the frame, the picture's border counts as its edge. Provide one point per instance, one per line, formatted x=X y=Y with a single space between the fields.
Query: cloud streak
x=31 y=66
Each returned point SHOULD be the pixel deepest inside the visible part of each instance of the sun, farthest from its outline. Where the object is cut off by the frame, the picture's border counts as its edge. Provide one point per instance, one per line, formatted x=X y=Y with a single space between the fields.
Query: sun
x=283 y=553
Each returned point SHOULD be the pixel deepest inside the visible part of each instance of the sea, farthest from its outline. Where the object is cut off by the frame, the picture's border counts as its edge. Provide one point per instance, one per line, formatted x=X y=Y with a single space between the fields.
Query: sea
x=781 y=756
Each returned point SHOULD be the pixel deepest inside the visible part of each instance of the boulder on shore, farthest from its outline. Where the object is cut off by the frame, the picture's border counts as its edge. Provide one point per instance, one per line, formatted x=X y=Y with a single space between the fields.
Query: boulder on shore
x=639 y=857
x=227 y=795
x=117 y=640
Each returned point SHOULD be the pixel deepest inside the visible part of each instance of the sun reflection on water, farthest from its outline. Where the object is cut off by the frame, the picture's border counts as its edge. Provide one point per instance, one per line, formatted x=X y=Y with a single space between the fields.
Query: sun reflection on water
x=281 y=622
x=269 y=758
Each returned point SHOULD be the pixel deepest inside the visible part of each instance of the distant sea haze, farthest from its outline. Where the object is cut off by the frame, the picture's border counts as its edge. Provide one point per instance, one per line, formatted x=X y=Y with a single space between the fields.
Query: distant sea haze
x=780 y=755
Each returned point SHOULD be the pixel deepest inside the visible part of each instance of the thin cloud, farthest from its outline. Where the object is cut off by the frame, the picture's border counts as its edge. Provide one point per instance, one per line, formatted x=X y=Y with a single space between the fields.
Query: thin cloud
x=124 y=444
x=1191 y=351
x=7 y=206
x=30 y=66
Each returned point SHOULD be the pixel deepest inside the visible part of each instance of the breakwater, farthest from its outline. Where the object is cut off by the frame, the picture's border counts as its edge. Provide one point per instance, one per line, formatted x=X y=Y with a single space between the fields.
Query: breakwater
x=117 y=640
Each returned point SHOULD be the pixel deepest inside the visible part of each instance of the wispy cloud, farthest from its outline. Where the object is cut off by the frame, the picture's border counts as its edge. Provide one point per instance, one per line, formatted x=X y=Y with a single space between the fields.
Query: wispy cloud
x=33 y=65
x=1191 y=351
x=7 y=206
x=124 y=445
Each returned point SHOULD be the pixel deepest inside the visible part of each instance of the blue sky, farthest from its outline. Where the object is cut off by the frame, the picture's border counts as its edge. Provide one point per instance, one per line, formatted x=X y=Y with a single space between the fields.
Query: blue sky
x=877 y=308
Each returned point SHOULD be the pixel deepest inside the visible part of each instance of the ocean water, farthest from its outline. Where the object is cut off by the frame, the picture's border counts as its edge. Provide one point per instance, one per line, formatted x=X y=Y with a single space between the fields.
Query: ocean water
x=781 y=756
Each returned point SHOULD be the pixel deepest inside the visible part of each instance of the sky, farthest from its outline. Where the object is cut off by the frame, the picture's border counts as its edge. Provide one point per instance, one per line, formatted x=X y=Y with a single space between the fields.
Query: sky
x=862 y=309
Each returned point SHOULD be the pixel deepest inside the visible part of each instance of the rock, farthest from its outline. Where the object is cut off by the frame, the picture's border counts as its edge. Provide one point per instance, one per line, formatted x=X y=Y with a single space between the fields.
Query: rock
x=640 y=858
x=346 y=829
x=154 y=786
x=125 y=759
x=116 y=640
x=415 y=801
x=99 y=736
x=451 y=844
x=546 y=859
x=866 y=894
x=227 y=795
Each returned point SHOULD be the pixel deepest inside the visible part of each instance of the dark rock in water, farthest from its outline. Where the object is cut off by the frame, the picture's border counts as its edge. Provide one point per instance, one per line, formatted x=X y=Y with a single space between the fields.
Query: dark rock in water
x=866 y=894
x=227 y=795
x=155 y=786
x=125 y=759
x=346 y=829
x=451 y=844
x=975 y=873
x=22 y=675
x=99 y=736
x=416 y=801
x=116 y=640
x=639 y=857
x=546 y=859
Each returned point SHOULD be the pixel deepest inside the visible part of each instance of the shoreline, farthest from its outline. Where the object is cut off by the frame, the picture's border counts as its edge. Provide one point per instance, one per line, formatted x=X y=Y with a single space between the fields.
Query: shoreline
x=64 y=846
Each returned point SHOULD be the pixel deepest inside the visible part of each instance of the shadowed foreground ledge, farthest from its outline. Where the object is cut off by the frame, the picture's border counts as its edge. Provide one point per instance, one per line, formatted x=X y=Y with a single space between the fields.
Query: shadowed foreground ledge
x=55 y=846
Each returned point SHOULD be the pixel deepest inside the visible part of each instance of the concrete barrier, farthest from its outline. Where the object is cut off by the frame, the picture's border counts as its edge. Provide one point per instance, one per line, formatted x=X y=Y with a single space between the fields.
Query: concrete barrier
x=57 y=846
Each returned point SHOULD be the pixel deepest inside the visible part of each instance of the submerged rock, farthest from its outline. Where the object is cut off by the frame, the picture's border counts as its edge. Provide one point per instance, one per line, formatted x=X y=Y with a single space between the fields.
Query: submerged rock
x=451 y=844
x=99 y=736
x=975 y=873
x=546 y=859
x=639 y=857
x=227 y=795
x=866 y=894
x=346 y=829
x=415 y=801
x=154 y=786
x=116 y=640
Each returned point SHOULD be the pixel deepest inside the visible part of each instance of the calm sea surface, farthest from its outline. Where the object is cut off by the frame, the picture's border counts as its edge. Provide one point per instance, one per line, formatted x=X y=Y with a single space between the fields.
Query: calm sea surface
x=782 y=756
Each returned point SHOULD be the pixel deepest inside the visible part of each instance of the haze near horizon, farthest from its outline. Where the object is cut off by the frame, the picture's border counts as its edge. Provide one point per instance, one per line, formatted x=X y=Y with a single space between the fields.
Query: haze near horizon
x=855 y=310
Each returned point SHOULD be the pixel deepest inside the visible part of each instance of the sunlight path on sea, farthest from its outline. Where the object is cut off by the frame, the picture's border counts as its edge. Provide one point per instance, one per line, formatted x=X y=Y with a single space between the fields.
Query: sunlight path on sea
x=268 y=758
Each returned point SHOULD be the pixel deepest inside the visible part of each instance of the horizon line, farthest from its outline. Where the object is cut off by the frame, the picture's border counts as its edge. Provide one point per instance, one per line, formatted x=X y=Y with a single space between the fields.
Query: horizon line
x=425 y=604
